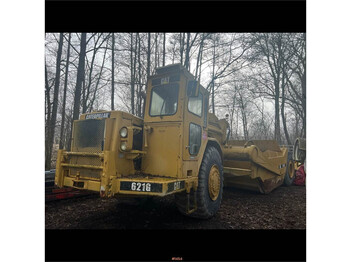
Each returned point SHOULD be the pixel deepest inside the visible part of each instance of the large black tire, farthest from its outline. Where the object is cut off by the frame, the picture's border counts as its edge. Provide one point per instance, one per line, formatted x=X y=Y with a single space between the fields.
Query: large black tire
x=208 y=203
x=290 y=172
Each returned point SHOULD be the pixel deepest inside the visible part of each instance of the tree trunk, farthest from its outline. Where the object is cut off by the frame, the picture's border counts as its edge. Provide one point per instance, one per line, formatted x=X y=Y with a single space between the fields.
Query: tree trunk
x=303 y=86
x=87 y=90
x=53 y=118
x=277 y=116
x=244 y=117
x=182 y=47
x=187 y=53
x=65 y=93
x=132 y=75
x=149 y=55
x=156 y=55
x=80 y=79
x=68 y=130
x=112 y=94
x=139 y=97
x=90 y=106
x=302 y=76
x=285 y=79
x=84 y=94
x=200 y=64
x=164 y=38
x=199 y=58
x=212 y=81
x=297 y=119
x=48 y=115
x=284 y=121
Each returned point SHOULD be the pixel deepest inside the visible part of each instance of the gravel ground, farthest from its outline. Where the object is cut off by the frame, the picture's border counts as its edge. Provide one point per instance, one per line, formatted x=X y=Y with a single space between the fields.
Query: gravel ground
x=284 y=208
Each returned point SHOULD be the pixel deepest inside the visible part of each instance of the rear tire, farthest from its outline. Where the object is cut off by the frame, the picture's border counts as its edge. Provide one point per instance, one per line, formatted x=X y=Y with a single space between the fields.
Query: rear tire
x=290 y=172
x=210 y=187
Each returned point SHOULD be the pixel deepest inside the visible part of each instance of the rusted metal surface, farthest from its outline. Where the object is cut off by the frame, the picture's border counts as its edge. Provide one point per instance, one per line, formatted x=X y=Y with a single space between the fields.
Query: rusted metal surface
x=270 y=184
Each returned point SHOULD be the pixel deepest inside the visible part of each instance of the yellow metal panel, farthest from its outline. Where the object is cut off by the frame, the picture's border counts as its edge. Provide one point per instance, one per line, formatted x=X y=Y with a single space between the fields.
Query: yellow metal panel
x=270 y=160
x=237 y=171
x=59 y=169
x=250 y=168
x=163 y=157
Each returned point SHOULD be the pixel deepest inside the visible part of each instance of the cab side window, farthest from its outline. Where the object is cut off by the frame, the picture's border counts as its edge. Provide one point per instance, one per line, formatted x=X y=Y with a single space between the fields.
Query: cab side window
x=195 y=104
x=195 y=138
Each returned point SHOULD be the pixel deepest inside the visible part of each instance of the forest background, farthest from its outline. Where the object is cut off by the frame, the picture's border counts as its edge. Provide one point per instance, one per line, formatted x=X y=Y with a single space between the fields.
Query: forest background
x=257 y=81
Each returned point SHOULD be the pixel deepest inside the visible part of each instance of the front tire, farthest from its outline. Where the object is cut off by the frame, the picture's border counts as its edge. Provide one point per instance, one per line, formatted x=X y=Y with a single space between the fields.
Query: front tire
x=210 y=186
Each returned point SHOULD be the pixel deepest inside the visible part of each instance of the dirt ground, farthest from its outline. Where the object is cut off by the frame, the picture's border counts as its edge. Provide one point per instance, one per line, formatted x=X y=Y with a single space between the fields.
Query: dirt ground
x=283 y=208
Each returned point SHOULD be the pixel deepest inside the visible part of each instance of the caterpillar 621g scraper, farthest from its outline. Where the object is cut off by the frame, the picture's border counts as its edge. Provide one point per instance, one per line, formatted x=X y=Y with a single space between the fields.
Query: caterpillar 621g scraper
x=178 y=148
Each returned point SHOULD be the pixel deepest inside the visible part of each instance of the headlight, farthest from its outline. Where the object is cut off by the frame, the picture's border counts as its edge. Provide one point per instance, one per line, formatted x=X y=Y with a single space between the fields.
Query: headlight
x=123 y=146
x=123 y=132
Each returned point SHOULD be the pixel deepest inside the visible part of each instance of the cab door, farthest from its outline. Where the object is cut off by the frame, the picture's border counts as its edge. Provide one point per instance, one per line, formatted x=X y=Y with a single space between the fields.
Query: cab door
x=193 y=125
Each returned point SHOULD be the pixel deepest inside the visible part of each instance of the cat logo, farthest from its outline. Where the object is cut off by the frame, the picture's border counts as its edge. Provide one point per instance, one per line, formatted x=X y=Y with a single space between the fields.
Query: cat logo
x=164 y=80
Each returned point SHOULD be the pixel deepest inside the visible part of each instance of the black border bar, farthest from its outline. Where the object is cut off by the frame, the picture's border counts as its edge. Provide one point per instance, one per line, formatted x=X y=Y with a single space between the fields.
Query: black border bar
x=175 y=16
x=163 y=245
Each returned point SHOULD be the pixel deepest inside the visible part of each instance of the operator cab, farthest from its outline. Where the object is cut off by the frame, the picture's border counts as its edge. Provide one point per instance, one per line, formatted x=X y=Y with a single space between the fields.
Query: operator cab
x=175 y=122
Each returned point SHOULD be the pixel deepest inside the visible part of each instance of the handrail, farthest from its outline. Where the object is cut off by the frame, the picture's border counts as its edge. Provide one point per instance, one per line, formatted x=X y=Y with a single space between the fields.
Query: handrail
x=82 y=166
x=83 y=154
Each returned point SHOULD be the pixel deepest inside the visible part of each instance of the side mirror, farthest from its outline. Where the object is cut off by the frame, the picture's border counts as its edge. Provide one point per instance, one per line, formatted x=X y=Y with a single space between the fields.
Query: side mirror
x=192 y=88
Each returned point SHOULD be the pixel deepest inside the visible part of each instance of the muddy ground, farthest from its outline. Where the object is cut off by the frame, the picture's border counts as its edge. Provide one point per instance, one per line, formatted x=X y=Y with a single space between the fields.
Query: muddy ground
x=284 y=208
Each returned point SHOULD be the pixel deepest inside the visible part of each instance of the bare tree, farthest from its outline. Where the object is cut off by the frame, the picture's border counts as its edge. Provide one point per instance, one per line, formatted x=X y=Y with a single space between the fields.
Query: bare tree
x=227 y=58
x=87 y=90
x=213 y=76
x=243 y=106
x=200 y=56
x=48 y=115
x=112 y=95
x=92 y=100
x=164 y=41
x=65 y=93
x=182 y=47
x=297 y=88
x=52 y=126
x=132 y=74
x=80 y=79
x=272 y=49
x=149 y=55
x=139 y=97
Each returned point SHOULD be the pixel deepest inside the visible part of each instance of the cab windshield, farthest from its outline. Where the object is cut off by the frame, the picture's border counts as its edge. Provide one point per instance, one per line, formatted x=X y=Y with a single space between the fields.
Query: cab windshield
x=164 y=100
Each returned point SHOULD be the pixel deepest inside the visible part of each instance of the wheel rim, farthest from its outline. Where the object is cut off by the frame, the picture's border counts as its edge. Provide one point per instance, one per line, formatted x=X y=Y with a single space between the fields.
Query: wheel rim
x=214 y=182
x=291 y=169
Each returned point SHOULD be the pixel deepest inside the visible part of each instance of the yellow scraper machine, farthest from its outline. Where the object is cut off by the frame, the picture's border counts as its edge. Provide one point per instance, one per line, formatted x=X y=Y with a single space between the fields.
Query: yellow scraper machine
x=178 y=148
